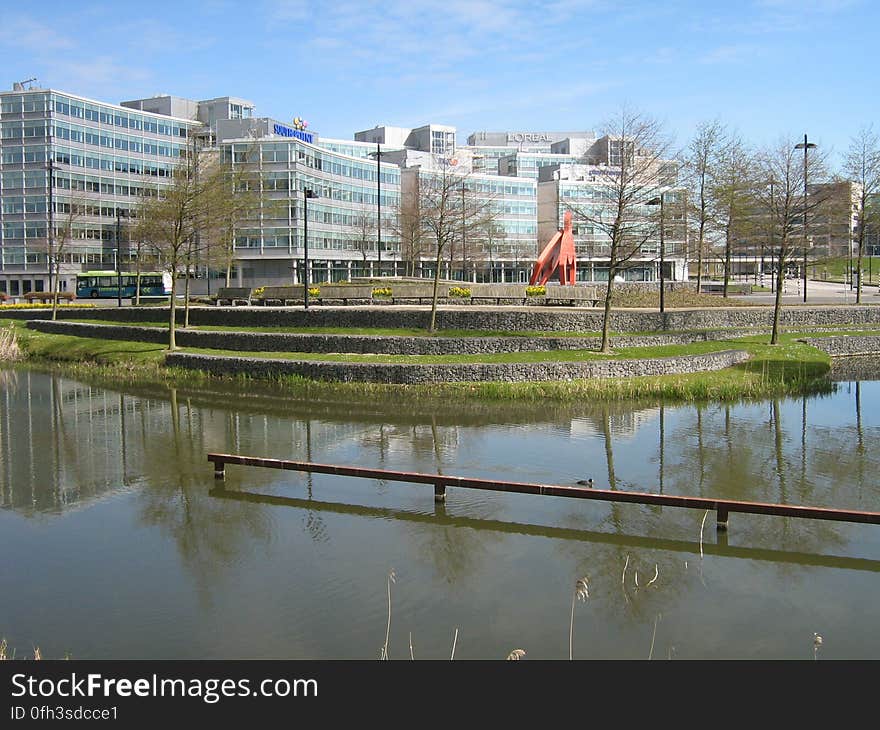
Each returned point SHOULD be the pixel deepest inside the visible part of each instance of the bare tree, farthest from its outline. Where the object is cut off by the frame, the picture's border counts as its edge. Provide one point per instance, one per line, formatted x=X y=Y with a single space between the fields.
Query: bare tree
x=364 y=237
x=407 y=224
x=700 y=160
x=780 y=196
x=239 y=196
x=448 y=206
x=174 y=220
x=489 y=239
x=862 y=166
x=638 y=150
x=143 y=251
x=72 y=210
x=728 y=197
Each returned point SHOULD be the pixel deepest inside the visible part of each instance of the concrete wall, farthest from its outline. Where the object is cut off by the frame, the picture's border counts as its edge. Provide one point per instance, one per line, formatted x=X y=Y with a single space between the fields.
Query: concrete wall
x=406 y=374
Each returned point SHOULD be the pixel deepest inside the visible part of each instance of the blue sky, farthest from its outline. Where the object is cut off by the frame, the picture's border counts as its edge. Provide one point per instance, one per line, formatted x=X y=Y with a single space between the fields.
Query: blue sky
x=765 y=67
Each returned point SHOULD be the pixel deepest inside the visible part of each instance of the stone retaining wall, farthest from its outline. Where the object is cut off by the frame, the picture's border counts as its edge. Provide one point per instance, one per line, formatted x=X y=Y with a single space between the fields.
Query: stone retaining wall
x=360 y=344
x=411 y=374
x=509 y=319
x=100 y=331
x=846 y=346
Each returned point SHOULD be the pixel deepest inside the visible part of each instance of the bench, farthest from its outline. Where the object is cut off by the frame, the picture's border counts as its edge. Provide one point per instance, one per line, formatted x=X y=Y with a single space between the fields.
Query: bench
x=234 y=295
x=282 y=295
x=346 y=292
x=717 y=287
x=46 y=297
x=572 y=295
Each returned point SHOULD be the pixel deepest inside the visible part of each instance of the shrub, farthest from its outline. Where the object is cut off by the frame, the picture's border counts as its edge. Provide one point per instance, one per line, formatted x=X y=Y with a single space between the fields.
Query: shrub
x=9 y=349
x=460 y=292
x=382 y=291
x=536 y=291
x=35 y=305
x=314 y=291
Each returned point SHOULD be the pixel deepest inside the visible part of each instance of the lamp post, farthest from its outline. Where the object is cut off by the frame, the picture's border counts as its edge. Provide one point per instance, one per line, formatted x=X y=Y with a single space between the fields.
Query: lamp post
x=118 y=255
x=805 y=145
x=659 y=201
x=463 y=238
x=378 y=155
x=307 y=193
x=51 y=232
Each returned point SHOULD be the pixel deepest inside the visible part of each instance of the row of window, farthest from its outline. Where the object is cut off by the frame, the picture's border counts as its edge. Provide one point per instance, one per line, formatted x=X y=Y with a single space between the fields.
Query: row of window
x=74 y=158
x=36 y=130
x=276 y=152
x=118 y=118
x=23 y=130
x=19 y=155
x=325 y=240
x=37 y=229
x=497 y=187
x=93 y=255
x=29 y=104
x=100 y=138
x=72 y=181
x=16 y=287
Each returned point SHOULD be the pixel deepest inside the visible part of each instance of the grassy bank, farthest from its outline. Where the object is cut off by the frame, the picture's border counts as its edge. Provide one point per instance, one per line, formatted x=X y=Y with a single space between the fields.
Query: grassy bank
x=837 y=269
x=786 y=369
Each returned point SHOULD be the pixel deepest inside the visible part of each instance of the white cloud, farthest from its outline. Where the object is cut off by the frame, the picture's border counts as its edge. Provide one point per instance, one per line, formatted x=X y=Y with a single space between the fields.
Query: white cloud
x=734 y=53
x=24 y=32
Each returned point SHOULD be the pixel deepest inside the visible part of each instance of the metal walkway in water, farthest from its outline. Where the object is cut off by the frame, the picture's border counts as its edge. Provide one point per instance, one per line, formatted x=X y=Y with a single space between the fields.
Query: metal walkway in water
x=440 y=482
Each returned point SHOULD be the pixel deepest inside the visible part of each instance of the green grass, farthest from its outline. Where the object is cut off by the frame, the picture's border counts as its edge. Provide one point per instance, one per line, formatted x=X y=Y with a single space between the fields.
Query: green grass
x=836 y=269
x=67 y=348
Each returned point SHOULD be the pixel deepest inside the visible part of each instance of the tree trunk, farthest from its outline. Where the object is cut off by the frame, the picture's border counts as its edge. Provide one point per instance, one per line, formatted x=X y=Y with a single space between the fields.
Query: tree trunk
x=700 y=261
x=777 y=306
x=186 y=298
x=606 y=316
x=433 y=324
x=137 y=280
x=172 y=343
x=859 y=265
x=726 y=259
x=55 y=287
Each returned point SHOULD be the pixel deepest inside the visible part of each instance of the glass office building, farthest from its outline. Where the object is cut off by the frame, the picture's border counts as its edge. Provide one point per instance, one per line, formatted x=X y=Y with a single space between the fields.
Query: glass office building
x=73 y=171
x=74 y=164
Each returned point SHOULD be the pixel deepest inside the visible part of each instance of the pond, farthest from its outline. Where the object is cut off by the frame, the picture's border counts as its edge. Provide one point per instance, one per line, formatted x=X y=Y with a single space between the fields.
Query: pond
x=116 y=543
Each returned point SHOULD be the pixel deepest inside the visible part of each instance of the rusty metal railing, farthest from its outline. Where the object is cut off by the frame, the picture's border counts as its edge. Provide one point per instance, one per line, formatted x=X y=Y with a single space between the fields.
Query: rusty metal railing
x=722 y=507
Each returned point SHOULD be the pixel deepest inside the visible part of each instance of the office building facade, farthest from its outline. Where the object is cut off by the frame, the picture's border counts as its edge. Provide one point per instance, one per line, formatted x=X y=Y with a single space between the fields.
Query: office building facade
x=74 y=170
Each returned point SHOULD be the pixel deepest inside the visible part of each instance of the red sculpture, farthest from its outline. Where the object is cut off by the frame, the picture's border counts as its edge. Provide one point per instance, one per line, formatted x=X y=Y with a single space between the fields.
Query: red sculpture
x=558 y=254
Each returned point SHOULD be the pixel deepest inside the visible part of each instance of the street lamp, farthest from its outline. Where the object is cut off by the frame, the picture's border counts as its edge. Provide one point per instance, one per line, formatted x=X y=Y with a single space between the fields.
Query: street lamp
x=659 y=201
x=117 y=255
x=805 y=145
x=463 y=238
x=307 y=193
x=51 y=232
x=378 y=155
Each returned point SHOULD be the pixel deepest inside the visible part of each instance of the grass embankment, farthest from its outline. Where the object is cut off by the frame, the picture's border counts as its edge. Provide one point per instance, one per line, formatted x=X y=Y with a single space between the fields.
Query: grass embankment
x=837 y=269
x=785 y=369
x=680 y=299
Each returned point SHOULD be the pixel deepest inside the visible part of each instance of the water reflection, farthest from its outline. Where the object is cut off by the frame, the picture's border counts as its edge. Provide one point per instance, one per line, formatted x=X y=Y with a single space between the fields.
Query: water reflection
x=285 y=549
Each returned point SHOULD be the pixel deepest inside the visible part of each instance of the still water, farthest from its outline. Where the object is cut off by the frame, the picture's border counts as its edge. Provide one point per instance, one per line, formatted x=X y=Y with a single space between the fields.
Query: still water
x=113 y=545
